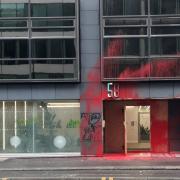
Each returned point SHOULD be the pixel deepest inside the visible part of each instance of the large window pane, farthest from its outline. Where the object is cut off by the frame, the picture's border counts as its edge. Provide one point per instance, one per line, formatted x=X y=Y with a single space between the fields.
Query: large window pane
x=53 y=69
x=124 y=47
x=53 y=48
x=13 y=10
x=165 y=30
x=165 y=68
x=39 y=10
x=15 y=69
x=14 y=49
x=165 y=46
x=11 y=23
x=124 y=7
x=68 y=9
x=126 y=68
x=40 y=126
x=113 y=7
x=125 y=31
x=53 y=9
x=164 y=7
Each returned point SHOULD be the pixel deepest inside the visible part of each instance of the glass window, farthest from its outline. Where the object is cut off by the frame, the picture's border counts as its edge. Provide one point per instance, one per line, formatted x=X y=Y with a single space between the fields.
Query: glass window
x=164 y=7
x=113 y=7
x=126 y=68
x=15 y=48
x=22 y=10
x=133 y=7
x=68 y=9
x=53 y=69
x=15 y=69
x=11 y=23
x=13 y=9
x=124 y=47
x=163 y=67
x=164 y=46
x=165 y=30
x=125 y=31
x=54 y=9
x=8 y=10
x=39 y=10
x=124 y=7
x=40 y=127
x=53 y=48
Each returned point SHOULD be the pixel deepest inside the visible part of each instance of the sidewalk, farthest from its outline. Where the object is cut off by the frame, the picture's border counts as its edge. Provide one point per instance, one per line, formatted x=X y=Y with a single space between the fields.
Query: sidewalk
x=114 y=162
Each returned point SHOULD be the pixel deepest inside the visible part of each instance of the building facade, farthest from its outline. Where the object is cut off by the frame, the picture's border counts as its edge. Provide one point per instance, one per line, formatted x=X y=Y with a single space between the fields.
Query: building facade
x=82 y=77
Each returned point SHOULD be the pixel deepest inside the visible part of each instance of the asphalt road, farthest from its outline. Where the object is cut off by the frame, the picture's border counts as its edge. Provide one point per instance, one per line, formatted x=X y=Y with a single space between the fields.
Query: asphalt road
x=90 y=174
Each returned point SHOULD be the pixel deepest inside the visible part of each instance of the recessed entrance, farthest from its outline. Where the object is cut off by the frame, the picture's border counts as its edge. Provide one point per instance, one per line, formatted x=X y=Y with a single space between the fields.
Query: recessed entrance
x=127 y=127
x=137 y=120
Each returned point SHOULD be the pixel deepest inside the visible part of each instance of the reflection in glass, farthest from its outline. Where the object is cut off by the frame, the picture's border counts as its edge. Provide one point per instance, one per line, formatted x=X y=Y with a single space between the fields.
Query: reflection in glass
x=127 y=7
x=15 y=69
x=53 y=69
x=165 y=45
x=124 y=47
x=53 y=10
x=164 y=7
x=13 y=10
x=126 y=68
x=14 y=48
x=50 y=127
x=53 y=48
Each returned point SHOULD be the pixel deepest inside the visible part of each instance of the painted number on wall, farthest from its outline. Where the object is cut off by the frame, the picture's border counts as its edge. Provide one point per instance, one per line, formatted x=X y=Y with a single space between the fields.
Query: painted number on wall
x=113 y=90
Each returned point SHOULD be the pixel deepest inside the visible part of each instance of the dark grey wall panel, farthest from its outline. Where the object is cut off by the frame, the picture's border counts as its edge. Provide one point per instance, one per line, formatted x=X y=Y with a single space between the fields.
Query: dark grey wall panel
x=68 y=91
x=161 y=90
x=43 y=91
x=3 y=92
x=143 y=90
x=18 y=92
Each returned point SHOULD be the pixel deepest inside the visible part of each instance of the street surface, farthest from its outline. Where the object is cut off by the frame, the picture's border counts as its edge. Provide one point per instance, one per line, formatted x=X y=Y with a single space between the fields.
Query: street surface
x=92 y=168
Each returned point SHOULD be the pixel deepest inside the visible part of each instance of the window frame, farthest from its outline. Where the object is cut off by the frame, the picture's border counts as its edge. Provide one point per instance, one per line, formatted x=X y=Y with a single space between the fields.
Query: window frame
x=29 y=19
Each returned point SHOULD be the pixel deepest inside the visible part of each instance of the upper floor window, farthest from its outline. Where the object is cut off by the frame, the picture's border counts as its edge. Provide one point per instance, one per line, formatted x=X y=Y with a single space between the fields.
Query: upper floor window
x=13 y=10
x=140 y=42
x=39 y=39
x=124 y=7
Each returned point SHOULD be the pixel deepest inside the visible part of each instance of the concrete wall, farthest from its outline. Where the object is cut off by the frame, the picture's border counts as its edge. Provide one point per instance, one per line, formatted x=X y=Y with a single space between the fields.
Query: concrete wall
x=91 y=101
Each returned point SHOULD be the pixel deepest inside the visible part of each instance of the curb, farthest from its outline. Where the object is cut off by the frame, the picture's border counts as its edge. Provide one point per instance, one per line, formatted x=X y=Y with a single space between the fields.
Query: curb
x=94 y=168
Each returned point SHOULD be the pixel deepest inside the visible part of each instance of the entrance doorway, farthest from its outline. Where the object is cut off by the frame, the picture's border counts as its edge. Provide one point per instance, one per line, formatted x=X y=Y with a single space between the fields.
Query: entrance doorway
x=138 y=128
x=127 y=127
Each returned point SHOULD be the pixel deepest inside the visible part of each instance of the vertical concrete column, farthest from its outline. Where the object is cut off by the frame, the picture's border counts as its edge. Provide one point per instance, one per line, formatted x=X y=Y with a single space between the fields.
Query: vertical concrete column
x=90 y=99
